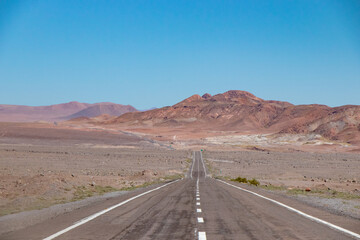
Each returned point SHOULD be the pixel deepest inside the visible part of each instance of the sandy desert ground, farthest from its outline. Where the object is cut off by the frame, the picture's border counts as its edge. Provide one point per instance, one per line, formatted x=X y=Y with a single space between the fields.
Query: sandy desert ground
x=45 y=166
x=42 y=165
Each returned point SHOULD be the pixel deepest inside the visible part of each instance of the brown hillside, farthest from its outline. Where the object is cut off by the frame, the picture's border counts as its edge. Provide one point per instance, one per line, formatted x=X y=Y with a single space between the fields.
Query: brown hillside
x=243 y=112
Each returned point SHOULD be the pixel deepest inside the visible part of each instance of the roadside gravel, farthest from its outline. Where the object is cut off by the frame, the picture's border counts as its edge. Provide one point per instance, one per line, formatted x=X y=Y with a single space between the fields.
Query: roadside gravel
x=21 y=220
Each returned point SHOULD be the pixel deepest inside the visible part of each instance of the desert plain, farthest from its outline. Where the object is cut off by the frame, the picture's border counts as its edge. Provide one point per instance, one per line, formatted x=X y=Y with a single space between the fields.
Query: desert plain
x=42 y=165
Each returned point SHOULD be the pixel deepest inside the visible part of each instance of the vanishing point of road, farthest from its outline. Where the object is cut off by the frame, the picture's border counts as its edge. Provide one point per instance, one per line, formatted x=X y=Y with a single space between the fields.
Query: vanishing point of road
x=196 y=207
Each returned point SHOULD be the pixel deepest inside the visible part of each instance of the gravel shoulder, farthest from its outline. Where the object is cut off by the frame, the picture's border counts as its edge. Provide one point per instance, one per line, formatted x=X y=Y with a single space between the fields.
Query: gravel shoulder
x=21 y=220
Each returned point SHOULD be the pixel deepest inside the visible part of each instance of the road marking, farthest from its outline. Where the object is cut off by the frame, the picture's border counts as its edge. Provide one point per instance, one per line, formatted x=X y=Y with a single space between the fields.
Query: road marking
x=315 y=219
x=203 y=163
x=192 y=166
x=202 y=236
x=91 y=217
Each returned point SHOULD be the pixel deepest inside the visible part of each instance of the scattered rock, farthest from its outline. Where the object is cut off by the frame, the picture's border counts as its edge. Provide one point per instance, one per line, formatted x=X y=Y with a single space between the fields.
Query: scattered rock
x=148 y=173
x=307 y=189
x=41 y=174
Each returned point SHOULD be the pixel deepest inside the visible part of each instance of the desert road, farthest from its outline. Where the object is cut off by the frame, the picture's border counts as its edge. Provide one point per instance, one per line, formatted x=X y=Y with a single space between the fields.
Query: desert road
x=196 y=207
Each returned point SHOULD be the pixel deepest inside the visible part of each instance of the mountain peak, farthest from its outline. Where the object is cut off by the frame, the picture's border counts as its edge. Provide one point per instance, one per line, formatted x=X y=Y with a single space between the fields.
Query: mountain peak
x=236 y=94
x=193 y=98
x=206 y=96
x=242 y=97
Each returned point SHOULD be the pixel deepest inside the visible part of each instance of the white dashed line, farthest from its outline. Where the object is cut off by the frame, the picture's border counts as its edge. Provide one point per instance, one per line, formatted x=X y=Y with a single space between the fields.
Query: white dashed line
x=202 y=236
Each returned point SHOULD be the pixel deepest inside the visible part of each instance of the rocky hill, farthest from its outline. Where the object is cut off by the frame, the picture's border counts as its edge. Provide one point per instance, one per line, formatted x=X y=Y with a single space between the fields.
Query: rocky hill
x=243 y=112
x=60 y=112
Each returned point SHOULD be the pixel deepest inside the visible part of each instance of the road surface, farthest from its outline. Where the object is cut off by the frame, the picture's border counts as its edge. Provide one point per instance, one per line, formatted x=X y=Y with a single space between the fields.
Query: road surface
x=196 y=207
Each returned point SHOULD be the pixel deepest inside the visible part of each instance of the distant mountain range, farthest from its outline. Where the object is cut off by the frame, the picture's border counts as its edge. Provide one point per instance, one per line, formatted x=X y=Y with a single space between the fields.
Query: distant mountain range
x=243 y=112
x=233 y=111
x=60 y=112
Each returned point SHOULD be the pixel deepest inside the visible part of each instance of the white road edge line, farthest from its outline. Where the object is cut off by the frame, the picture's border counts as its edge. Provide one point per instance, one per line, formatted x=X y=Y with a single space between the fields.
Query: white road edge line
x=203 y=163
x=192 y=166
x=202 y=236
x=315 y=219
x=91 y=217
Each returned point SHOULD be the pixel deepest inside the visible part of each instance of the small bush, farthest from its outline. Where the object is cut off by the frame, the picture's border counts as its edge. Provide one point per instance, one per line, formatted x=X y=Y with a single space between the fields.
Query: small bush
x=244 y=180
x=239 y=179
x=254 y=182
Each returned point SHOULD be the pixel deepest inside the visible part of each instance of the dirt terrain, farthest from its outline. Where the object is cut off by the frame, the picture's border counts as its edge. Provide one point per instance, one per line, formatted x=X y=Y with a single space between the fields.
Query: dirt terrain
x=33 y=177
x=329 y=180
x=41 y=166
x=338 y=171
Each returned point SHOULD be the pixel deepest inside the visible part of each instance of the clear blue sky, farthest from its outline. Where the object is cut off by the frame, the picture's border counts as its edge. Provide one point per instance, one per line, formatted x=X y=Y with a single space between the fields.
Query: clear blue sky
x=156 y=53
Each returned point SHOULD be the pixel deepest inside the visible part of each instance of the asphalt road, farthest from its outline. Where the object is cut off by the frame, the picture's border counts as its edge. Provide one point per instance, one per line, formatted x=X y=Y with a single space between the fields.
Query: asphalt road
x=197 y=207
